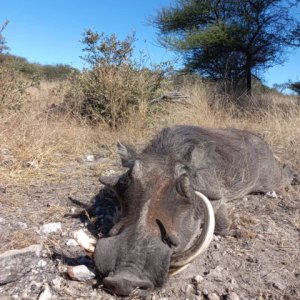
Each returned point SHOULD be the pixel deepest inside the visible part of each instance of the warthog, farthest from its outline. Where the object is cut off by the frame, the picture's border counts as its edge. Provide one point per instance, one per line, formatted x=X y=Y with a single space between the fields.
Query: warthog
x=162 y=200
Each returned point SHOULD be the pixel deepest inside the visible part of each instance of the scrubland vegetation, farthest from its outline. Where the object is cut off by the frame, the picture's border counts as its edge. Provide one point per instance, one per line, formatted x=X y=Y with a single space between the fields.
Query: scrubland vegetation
x=46 y=123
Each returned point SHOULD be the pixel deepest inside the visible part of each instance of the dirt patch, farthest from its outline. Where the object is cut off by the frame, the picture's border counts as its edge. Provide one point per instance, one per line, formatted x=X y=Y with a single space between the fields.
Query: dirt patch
x=258 y=260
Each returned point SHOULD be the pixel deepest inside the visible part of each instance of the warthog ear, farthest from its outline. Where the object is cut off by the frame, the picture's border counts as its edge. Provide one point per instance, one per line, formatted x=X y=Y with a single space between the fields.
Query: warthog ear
x=203 y=154
x=127 y=155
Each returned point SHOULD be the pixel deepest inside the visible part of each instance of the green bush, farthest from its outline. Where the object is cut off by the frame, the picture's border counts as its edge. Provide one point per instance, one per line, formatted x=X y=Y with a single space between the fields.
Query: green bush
x=29 y=70
x=114 y=84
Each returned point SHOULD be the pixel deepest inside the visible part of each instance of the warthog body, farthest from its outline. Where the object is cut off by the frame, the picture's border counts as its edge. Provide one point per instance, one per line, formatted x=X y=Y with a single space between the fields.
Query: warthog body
x=161 y=215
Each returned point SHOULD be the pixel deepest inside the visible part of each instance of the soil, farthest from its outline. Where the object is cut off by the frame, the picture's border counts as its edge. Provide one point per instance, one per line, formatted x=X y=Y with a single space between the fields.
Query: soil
x=259 y=259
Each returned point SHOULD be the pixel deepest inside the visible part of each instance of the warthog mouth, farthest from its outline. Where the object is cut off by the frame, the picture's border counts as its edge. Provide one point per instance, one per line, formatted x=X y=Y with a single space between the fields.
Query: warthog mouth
x=125 y=283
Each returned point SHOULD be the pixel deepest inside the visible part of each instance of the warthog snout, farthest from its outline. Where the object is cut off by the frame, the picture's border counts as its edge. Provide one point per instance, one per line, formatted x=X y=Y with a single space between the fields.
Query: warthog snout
x=125 y=283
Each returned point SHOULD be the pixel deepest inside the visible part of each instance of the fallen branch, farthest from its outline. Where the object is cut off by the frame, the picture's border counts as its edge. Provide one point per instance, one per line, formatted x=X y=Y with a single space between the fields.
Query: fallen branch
x=174 y=96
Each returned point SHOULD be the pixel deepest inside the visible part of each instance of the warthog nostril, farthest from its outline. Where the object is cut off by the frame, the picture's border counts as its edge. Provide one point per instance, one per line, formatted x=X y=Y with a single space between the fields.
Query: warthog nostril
x=124 y=283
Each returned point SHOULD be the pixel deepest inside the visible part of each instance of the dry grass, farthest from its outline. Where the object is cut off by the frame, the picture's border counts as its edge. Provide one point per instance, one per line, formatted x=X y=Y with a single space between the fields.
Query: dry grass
x=40 y=144
x=18 y=239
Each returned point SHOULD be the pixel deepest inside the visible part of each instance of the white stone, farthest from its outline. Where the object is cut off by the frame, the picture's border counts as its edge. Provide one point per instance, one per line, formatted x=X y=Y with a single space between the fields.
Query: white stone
x=205 y=292
x=271 y=194
x=213 y=296
x=189 y=290
x=50 y=228
x=4 y=151
x=32 y=164
x=45 y=294
x=80 y=273
x=233 y=296
x=90 y=158
x=56 y=283
x=21 y=225
x=42 y=263
x=198 y=278
x=71 y=242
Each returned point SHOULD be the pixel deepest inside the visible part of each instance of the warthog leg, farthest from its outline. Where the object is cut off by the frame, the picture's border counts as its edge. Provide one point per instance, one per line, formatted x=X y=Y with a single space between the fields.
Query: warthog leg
x=222 y=221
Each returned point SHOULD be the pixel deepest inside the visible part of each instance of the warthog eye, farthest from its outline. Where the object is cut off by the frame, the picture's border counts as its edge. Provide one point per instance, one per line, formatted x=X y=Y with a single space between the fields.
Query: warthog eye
x=170 y=241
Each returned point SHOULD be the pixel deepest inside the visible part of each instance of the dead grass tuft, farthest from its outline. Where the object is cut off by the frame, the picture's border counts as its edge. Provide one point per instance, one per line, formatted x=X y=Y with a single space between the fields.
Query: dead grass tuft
x=18 y=239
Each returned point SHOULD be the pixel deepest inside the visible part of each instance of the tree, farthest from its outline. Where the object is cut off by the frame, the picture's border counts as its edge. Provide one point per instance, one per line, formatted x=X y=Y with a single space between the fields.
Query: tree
x=295 y=86
x=3 y=46
x=229 y=40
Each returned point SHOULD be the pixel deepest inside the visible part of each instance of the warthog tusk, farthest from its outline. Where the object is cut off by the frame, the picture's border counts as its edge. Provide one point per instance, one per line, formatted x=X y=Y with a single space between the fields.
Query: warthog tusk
x=181 y=260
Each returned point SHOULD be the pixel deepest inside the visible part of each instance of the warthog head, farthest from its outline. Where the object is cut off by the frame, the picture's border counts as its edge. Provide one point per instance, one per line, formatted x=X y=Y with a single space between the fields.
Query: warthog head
x=159 y=231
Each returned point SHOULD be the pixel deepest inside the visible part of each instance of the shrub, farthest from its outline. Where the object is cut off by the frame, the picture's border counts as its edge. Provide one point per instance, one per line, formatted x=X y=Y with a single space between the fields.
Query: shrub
x=113 y=84
x=13 y=89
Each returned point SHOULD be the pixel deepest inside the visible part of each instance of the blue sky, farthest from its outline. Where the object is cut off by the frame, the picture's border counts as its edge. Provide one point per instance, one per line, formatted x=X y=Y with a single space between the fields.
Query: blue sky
x=48 y=32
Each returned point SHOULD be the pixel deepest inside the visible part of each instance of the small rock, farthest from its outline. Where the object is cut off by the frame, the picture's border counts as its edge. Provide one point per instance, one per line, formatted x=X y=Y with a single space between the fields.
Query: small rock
x=80 y=273
x=24 y=295
x=213 y=296
x=73 y=210
x=271 y=194
x=71 y=242
x=90 y=158
x=42 y=263
x=205 y=292
x=50 y=228
x=45 y=294
x=252 y=259
x=233 y=281
x=32 y=164
x=217 y=246
x=17 y=263
x=279 y=285
x=217 y=272
x=232 y=296
x=4 y=151
x=198 y=278
x=276 y=281
x=260 y=237
x=34 y=287
x=2 y=188
x=7 y=162
x=56 y=283
x=216 y=238
x=189 y=290
x=20 y=225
